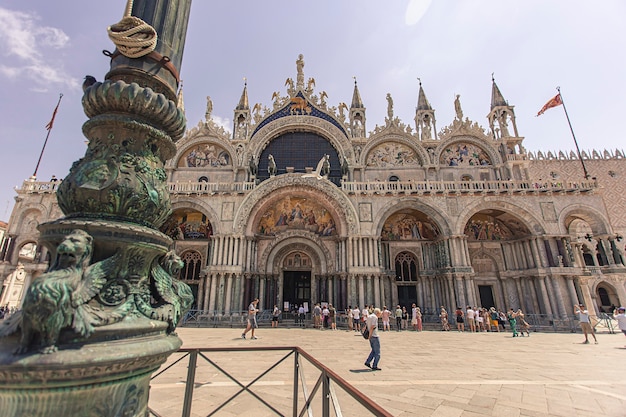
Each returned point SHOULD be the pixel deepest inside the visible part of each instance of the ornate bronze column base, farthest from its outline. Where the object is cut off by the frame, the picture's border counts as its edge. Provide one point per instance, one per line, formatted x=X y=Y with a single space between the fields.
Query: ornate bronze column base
x=107 y=379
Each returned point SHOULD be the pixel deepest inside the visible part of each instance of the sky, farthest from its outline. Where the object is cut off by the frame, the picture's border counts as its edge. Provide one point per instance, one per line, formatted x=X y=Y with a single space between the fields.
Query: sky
x=452 y=46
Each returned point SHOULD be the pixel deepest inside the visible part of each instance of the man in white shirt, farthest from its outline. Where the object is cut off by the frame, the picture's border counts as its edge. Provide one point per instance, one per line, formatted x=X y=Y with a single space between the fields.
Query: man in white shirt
x=585 y=324
x=470 y=315
x=356 y=316
x=621 y=319
x=252 y=324
x=374 y=356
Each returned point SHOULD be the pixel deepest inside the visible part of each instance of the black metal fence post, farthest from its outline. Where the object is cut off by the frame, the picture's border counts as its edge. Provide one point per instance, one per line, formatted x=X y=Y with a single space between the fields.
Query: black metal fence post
x=191 y=382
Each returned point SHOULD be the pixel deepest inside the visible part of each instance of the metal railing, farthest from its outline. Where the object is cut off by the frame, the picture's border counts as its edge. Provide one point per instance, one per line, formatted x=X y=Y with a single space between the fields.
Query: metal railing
x=321 y=397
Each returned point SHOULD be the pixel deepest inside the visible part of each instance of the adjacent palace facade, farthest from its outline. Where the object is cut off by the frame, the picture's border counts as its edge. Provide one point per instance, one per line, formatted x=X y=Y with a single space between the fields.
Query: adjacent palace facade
x=301 y=204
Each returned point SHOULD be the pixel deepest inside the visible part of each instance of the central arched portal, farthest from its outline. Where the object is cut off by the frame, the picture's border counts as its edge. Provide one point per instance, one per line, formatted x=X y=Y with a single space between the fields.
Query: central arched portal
x=296 y=281
x=302 y=263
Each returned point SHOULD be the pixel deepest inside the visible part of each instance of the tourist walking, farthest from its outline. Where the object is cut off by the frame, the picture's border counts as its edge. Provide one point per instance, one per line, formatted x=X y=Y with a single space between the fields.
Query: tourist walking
x=585 y=323
x=332 y=317
x=418 y=315
x=356 y=317
x=443 y=316
x=405 y=318
x=522 y=323
x=252 y=324
x=398 y=318
x=372 y=325
x=317 y=316
x=470 y=315
x=460 y=323
x=301 y=315
x=621 y=319
x=512 y=321
x=275 y=315
x=325 y=314
x=385 y=315
x=350 y=318
x=494 y=319
x=414 y=316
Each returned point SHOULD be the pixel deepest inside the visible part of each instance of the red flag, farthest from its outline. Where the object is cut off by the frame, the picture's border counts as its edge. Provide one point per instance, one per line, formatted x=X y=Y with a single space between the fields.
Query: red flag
x=553 y=102
x=54 y=114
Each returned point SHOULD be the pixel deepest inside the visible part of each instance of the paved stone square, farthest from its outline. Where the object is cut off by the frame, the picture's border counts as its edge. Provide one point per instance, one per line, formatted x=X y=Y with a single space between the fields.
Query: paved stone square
x=430 y=373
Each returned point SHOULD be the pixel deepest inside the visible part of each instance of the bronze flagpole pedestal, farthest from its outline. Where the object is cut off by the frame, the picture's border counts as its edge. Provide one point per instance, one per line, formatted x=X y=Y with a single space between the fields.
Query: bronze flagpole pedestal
x=101 y=320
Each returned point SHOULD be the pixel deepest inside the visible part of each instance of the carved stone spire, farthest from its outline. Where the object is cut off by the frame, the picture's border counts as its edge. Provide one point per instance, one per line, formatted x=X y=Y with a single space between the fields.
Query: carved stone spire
x=357 y=114
x=496 y=96
x=243 y=101
x=356 y=97
x=501 y=114
x=424 y=117
x=241 y=121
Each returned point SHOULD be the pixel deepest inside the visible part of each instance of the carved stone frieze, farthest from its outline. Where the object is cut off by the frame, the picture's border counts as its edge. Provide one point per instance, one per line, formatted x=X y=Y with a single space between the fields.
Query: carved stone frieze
x=295 y=182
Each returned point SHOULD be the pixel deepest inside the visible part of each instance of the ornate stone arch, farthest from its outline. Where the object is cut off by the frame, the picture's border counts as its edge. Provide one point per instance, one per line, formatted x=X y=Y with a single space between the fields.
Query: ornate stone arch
x=597 y=221
x=327 y=130
x=296 y=240
x=531 y=222
x=186 y=202
x=203 y=132
x=611 y=290
x=411 y=203
x=346 y=214
x=407 y=141
x=489 y=149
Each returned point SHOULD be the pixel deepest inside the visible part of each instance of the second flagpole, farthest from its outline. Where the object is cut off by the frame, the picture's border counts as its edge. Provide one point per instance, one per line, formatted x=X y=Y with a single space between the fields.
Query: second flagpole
x=573 y=135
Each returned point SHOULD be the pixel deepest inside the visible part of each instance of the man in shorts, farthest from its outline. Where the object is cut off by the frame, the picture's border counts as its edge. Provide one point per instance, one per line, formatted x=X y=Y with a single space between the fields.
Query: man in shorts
x=252 y=324
x=585 y=324
x=275 y=315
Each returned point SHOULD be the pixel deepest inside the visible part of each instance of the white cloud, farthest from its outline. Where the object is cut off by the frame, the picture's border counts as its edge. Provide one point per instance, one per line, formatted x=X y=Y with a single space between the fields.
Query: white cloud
x=27 y=43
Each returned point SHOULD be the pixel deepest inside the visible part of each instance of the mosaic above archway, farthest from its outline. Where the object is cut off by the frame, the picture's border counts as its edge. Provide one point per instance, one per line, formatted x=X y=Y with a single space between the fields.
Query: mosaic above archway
x=464 y=154
x=185 y=224
x=494 y=225
x=409 y=225
x=297 y=213
x=205 y=155
x=391 y=154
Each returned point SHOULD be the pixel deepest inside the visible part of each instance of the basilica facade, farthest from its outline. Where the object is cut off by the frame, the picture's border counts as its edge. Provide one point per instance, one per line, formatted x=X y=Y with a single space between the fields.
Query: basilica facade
x=301 y=204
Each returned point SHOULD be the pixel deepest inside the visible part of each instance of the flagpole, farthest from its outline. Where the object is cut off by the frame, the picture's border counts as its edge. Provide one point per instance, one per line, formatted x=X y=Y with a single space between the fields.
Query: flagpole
x=47 y=136
x=573 y=135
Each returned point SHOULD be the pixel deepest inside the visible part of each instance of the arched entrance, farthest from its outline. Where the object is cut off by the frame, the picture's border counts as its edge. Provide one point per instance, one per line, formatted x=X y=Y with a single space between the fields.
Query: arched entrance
x=296 y=281
x=607 y=297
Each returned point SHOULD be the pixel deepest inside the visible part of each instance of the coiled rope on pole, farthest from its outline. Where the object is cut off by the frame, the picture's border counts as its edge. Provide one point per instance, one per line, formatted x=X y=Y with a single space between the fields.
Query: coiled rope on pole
x=132 y=36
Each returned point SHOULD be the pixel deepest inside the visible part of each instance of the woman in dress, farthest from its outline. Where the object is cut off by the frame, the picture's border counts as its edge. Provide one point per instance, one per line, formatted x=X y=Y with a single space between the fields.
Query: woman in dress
x=522 y=323
x=443 y=316
x=419 y=319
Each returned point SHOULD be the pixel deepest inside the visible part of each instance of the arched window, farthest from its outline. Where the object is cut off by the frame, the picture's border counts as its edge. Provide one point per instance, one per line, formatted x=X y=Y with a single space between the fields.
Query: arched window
x=394 y=178
x=193 y=264
x=604 y=296
x=406 y=267
x=203 y=179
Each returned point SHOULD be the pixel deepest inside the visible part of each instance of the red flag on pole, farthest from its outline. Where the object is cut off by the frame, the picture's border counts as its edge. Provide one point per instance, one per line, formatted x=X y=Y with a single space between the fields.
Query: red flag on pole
x=54 y=114
x=553 y=102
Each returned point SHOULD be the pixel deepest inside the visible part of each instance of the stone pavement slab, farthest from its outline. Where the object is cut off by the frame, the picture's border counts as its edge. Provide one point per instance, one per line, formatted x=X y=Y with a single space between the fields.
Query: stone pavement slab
x=428 y=373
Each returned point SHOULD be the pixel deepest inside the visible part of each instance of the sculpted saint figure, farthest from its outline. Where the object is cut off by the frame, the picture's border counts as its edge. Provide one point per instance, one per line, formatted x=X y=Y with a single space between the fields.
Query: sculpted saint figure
x=457 y=108
x=389 y=106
